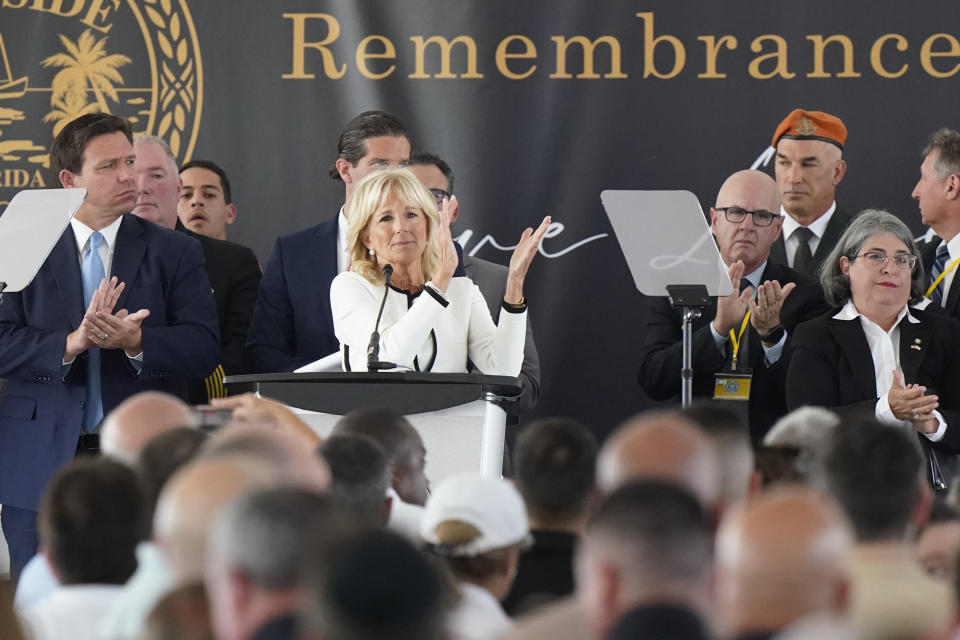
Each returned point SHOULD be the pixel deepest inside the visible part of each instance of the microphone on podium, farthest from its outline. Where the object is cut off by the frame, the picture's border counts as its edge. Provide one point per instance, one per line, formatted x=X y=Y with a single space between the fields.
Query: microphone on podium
x=373 y=349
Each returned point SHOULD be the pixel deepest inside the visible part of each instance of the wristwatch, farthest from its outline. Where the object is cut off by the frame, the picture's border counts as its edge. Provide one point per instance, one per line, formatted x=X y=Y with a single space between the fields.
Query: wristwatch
x=774 y=336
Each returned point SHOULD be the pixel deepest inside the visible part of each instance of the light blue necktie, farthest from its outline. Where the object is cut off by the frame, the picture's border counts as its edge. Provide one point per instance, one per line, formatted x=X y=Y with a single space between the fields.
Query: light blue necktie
x=939 y=263
x=92 y=273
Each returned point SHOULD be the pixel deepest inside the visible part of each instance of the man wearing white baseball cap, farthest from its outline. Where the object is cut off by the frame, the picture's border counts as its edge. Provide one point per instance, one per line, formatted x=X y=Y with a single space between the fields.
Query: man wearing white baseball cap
x=479 y=527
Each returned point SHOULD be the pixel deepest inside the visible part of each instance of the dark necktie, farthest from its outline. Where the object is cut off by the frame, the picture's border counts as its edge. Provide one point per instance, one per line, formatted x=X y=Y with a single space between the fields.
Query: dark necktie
x=744 y=283
x=803 y=258
x=939 y=263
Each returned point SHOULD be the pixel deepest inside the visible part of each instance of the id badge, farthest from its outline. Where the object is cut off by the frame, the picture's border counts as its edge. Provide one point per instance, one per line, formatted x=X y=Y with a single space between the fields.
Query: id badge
x=732 y=385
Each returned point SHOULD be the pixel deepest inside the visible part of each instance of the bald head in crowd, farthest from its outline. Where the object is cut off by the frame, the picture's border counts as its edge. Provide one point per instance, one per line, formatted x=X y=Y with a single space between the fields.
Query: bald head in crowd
x=291 y=457
x=664 y=445
x=191 y=501
x=138 y=420
x=780 y=557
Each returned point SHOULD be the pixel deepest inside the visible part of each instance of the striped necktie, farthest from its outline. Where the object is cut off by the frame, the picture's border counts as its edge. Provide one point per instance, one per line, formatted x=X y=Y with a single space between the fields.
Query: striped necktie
x=939 y=263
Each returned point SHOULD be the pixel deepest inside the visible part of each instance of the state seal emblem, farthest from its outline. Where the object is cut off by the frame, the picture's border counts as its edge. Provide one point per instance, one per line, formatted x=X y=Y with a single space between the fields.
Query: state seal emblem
x=139 y=59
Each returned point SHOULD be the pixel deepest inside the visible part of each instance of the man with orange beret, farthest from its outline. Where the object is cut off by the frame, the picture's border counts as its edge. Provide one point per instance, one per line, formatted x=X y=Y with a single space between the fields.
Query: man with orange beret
x=809 y=166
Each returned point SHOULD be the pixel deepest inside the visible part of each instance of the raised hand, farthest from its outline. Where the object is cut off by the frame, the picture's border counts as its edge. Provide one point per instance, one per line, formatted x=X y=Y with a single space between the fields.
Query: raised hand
x=252 y=408
x=520 y=261
x=448 y=252
x=731 y=308
x=765 y=309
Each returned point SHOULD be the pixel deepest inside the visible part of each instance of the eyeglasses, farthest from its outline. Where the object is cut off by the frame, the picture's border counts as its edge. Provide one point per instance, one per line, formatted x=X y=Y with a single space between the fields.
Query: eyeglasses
x=439 y=195
x=879 y=260
x=736 y=215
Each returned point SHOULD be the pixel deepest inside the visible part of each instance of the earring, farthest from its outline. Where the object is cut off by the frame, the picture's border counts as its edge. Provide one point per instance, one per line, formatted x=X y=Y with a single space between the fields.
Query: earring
x=372 y=254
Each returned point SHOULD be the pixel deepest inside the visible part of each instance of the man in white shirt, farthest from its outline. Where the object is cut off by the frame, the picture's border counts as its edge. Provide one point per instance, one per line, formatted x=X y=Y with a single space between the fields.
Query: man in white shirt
x=809 y=166
x=938 y=192
x=92 y=518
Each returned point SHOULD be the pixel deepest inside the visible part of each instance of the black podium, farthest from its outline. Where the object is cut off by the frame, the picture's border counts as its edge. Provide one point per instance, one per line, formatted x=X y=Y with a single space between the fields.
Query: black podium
x=405 y=392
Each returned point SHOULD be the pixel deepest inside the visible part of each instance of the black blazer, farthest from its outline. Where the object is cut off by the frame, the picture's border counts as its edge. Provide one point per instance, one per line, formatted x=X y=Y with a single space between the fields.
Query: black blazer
x=928 y=252
x=831 y=366
x=661 y=357
x=835 y=228
x=234 y=273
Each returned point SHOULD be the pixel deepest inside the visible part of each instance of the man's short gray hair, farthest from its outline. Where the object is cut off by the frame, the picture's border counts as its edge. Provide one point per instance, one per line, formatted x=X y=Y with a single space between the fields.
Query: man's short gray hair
x=836 y=285
x=265 y=533
x=946 y=142
x=160 y=142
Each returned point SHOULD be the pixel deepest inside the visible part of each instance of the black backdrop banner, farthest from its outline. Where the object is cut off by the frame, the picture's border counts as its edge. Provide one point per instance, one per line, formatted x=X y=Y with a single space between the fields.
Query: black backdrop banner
x=537 y=106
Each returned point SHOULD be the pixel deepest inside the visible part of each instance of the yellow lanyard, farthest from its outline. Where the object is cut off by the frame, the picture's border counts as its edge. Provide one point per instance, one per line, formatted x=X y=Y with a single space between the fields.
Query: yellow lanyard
x=736 y=339
x=933 y=285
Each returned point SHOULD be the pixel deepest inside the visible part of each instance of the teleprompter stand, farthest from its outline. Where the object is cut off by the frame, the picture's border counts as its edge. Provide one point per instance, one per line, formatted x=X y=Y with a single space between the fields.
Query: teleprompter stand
x=670 y=251
x=690 y=300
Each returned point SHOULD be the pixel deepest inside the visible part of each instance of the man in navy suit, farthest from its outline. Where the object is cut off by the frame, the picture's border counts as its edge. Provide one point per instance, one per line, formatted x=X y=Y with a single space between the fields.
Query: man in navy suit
x=292 y=322
x=153 y=325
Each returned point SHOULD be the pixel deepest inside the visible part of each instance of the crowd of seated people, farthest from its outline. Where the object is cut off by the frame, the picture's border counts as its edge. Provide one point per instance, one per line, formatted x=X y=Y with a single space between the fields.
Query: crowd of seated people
x=673 y=527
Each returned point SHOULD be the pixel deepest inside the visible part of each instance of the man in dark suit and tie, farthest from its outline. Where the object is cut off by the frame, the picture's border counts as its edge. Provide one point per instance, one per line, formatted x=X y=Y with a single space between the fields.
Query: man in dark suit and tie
x=233 y=269
x=938 y=192
x=437 y=176
x=67 y=368
x=809 y=166
x=292 y=321
x=745 y=223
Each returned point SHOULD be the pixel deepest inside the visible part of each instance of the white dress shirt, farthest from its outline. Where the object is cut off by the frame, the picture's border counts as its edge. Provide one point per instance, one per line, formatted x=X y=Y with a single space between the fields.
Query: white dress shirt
x=817 y=227
x=152 y=580
x=953 y=248
x=343 y=253
x=71 y=612
x=82 y=233
x=885 y=350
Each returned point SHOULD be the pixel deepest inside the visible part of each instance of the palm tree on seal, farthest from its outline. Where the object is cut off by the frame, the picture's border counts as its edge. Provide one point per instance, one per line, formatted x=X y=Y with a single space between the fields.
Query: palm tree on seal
x=86 y=63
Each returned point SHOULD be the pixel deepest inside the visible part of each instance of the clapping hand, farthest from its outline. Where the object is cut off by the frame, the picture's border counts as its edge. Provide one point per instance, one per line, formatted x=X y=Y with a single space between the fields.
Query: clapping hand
x=108 y=330
x=520 y=260
x=765 y=308
x=448 y=252
x=909 y=403
x=731 y=308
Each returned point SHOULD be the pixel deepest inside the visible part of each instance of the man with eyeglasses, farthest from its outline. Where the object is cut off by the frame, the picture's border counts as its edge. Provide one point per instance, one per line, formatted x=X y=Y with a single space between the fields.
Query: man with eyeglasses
x=292 y=322
x=745 y=223
x=437 y=176
x=809 y=166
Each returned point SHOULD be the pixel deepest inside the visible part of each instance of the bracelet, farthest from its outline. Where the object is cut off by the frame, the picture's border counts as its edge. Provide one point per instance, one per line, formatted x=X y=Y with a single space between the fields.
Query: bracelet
x=515 y=307
x=436 y=290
